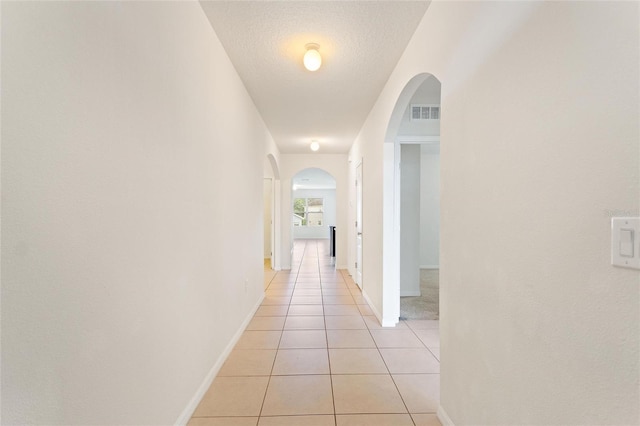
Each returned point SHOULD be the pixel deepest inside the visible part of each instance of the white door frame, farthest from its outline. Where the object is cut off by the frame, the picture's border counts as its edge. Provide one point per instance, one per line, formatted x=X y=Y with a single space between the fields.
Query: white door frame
x=358 y=225
x=391 y=226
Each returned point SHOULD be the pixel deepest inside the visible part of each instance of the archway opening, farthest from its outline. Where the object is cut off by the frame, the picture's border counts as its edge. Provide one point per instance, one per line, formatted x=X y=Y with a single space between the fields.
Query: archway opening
x=411 y=204
x=313 y=209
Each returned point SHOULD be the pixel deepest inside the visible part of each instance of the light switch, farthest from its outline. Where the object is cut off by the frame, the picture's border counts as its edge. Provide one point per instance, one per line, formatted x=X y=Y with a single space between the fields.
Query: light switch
x=625 y=242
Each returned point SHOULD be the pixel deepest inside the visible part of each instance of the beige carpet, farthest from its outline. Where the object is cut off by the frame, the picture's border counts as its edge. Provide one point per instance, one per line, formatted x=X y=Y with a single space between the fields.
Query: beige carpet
x=426 y=306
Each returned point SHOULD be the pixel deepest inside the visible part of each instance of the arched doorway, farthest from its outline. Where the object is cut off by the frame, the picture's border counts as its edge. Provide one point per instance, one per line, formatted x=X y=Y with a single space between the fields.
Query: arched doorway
x=313 y=208
x=411 y=202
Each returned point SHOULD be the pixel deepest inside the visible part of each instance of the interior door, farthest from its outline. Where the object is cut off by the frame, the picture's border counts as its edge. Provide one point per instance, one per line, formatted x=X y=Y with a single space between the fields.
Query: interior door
x=358 y=277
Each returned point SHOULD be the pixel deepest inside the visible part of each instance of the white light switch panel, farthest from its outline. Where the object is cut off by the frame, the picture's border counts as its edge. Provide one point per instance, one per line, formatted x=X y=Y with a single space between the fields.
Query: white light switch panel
x=625 y=242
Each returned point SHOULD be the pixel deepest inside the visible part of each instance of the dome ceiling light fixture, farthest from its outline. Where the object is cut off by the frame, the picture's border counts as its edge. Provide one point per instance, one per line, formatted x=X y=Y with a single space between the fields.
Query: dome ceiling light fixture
x=314 y=145
x=312 y=59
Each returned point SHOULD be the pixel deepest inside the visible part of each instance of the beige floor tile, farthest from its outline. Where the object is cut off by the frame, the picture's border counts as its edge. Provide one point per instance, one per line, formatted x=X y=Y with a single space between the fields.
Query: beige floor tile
x=308 y=279
x=320 y=420
x=361 y=301
x=331 y=273
x=279 y=292
x=374 y=420
x=301 y=361
x=407 y=361
x=301 y=322
x=283 y=279
x=396 y=339
x=308 y=285
x=426 y=420
x=306 y=300
x=423 y=324
x=307 y=292
x=248 y=362
x=281 y=285
x=266 y=323
x=305 y=310
x=356 y=361
x=350 y=339
x=327 y=275
x=341 y=310
x=430 y=338
x=292 y=395
x=352 y=322
x=276 y=300
x=303 y=339
x=259 y=340
x=373 y=324
x=364 y=308
x=336 y=285
x=436 y=352
x=338 y=300
x=233 y=396
x=271 y=311
x=366 y=394
x=223 y=421
x=335 y=292
x=420 y=392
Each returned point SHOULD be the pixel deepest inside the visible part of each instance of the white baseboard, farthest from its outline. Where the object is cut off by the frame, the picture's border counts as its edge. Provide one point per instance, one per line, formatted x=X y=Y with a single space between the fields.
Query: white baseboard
x=444 y=417
x=410 y=293
x=377 y=313
x=206 y=383
x=373 y=308
x=429 y=266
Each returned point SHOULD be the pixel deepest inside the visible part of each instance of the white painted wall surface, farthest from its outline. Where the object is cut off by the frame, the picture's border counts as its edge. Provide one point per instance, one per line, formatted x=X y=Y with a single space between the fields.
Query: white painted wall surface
x=530 y=170
x=336 y=166
x=410 y=220
x=329 y=214
x=429 y=208
x=132 y=166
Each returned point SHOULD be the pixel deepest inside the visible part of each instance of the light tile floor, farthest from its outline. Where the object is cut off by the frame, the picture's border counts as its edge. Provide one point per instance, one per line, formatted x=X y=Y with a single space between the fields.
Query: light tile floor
x=314 y=354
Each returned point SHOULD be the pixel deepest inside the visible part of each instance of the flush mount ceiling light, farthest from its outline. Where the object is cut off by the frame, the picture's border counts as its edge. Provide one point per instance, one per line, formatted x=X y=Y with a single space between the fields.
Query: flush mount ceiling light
x=312 y=59
x=314 y=146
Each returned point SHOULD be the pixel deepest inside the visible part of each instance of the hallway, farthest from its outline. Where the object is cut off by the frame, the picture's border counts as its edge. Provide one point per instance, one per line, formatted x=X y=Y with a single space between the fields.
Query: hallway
x=314 y=354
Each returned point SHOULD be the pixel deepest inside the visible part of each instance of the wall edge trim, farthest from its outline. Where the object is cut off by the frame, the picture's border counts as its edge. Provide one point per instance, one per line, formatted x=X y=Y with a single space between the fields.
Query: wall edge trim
x=186 y=414
x=444 y=417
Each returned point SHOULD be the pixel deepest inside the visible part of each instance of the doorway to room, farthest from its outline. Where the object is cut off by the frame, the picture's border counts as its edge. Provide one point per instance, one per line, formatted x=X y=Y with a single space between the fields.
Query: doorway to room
x=412 y=254
x=271 y=199
x=359 y=235
x=313 y=209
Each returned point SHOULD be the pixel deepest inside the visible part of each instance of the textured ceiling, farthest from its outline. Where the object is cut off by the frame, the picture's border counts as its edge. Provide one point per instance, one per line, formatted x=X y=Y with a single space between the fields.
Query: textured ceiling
x=360 y=43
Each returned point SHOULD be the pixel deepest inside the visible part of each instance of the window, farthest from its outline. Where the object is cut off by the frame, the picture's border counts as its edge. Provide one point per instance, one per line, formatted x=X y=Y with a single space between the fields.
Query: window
x=425 y=112
x=308 y=211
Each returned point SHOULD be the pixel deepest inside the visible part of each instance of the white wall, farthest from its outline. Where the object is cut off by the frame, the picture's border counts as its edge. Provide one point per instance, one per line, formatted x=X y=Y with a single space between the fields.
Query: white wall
x=410 y=221
x=132 y=163
x=429 y=207
x=336 y=166
x=530 y=169
x=329 y=214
